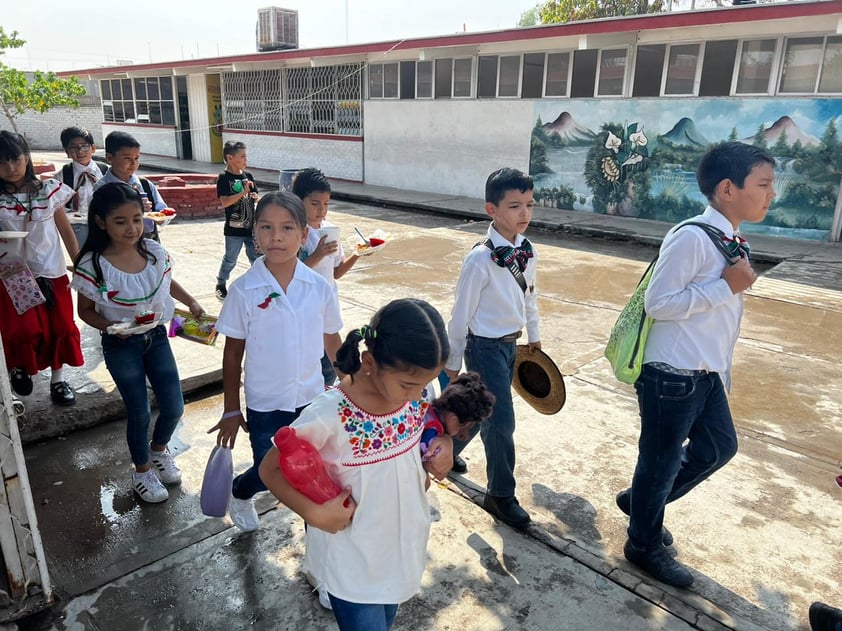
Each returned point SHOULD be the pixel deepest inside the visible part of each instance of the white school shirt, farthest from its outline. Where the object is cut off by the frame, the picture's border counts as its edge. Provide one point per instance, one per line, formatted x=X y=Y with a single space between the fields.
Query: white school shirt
x=325 y=267
x=85 y=191
x=489 y=301
x=380 y=556
x=697 y=318
x=284 y=334
x=36 y=216
x=120 y=295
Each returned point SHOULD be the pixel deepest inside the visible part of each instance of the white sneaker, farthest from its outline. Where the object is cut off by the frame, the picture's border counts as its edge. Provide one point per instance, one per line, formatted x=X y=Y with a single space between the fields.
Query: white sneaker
x=163 y=464
x=243 y=514
x=149 y=487
x=324 y=599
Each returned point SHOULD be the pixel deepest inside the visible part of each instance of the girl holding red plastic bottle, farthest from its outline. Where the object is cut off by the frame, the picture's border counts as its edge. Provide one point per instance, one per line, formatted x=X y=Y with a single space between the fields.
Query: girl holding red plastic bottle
x=367 y=432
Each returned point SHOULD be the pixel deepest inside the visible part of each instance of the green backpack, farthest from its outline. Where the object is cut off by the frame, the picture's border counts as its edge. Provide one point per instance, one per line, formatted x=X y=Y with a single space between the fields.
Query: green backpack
x=627 y=342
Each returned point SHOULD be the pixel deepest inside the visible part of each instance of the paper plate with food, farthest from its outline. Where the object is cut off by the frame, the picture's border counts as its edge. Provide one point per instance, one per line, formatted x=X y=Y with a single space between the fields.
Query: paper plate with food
x=161 y=217
x=368 y=244
x=142 y=322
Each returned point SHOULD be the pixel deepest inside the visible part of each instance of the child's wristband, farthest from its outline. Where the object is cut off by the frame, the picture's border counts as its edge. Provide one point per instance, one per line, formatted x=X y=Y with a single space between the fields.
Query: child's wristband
x=231 y=414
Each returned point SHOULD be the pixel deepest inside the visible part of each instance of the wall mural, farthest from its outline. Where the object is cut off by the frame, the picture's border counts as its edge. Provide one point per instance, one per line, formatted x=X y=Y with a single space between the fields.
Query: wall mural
x=638 y=158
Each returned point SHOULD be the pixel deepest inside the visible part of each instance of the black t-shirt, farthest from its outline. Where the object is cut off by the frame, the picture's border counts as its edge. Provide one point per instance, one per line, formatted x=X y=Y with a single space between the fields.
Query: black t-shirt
x=240 y=215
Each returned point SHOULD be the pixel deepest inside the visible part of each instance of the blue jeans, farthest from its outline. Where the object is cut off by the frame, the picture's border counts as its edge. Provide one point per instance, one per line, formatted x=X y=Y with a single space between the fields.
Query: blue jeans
x=495 y=363
x=233 y=245
x=675 y=409
x=362 y=617
x=81 y=232
x=262 y=427
x=131 y=361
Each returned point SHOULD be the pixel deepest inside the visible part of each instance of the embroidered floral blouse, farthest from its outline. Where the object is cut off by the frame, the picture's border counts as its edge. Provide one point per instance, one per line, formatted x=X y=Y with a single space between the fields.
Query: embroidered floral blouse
x=380 y=557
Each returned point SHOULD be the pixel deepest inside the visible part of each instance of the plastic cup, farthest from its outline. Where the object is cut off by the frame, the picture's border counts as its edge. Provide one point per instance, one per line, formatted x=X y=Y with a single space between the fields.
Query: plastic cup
x=331 y=233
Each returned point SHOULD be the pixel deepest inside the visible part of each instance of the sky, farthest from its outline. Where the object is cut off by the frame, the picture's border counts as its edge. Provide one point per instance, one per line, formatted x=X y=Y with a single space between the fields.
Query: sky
x=63 y=35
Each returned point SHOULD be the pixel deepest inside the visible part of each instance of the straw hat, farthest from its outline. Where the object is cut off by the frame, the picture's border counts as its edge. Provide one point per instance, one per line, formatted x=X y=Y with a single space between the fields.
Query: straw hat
x=538 y=380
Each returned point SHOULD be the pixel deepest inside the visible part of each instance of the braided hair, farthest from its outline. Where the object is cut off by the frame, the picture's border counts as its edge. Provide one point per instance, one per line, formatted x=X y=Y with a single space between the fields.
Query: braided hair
x=406 y=333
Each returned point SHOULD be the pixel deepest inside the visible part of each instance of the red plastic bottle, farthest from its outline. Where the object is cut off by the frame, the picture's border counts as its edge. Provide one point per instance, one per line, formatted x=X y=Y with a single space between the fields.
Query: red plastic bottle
x=303 y=467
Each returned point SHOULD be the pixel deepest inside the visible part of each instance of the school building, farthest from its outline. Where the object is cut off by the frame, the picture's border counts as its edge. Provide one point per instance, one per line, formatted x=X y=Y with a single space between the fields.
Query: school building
x=609 y=116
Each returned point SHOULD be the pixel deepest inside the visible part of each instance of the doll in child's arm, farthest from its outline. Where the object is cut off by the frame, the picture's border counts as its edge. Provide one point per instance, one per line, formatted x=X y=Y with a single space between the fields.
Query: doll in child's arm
x=463 y=403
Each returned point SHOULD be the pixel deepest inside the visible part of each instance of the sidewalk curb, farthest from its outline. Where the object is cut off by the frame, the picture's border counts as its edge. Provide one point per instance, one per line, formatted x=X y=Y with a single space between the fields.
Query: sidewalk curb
x=96 y=408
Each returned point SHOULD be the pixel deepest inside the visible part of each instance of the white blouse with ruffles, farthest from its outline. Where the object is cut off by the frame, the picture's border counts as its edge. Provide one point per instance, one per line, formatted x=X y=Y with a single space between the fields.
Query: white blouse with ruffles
x=119 y=296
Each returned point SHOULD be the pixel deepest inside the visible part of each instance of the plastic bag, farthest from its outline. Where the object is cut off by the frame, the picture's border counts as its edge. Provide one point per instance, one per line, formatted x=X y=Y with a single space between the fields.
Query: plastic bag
x=216 y=485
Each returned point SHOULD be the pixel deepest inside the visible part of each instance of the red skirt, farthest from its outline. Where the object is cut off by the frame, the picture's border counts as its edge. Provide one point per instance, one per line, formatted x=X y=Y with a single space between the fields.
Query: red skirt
x=41 y=337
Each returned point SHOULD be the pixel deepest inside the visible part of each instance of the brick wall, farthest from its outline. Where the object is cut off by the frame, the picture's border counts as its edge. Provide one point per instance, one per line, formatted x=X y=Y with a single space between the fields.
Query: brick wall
x=42 y=130
x=191 y=195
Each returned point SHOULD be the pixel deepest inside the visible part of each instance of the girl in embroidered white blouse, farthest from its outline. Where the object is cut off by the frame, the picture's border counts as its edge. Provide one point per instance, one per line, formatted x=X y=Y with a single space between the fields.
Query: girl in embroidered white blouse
x=367 y=431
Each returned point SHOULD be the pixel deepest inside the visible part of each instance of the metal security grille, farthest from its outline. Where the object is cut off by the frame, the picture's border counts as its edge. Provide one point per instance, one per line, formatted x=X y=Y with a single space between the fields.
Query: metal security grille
x=252 y=100
x=324 y=100
x=321 y=100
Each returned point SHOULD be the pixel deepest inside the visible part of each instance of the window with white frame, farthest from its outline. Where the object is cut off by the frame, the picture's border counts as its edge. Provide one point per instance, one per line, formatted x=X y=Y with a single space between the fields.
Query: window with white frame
x=444 y=78
x=508 y=79
x=801 y=62
x=140 y=100
x=532 y=79
x=463 y=77
x=682 y=65
x=424 y=80
x=718 y=62
x=383 y=81
x=831 y=79
x=487 y=77
x=154 y=100
x=612 y=72
x=558 y=74
x=757 y=57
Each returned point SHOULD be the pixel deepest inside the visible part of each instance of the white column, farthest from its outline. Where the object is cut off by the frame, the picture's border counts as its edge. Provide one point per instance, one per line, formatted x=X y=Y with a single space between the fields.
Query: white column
x=197 y=100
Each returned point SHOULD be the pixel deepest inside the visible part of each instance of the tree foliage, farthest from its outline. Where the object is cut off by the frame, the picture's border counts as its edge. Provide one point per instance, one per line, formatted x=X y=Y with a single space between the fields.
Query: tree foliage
x=43 y=92
x=529 y=17
x=558 y=11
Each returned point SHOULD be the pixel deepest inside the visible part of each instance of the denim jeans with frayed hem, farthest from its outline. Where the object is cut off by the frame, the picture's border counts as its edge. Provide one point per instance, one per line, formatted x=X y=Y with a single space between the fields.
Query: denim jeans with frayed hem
x=674 y=410
x=262 y=427
x=495 y=363
x=131 y=361
x=233 y=245
x=362 y=617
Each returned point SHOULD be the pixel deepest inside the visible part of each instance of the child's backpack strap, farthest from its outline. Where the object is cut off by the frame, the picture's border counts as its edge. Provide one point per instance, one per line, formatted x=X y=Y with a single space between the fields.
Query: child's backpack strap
x=513 y=267
x=67 y=174
x=716 y=236
x=153 y=233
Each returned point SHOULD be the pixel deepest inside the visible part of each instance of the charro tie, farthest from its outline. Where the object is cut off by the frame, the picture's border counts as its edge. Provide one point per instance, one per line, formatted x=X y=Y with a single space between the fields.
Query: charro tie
x=504 y=255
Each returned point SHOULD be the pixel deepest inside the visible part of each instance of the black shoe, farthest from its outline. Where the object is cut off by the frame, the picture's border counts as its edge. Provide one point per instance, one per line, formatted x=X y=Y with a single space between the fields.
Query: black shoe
x=623 y=500
x=825 y=618
x=21 y=382
x=659 y=564
x=221 y=292
x=507 y=510
x=459 y=465
x=62 y=394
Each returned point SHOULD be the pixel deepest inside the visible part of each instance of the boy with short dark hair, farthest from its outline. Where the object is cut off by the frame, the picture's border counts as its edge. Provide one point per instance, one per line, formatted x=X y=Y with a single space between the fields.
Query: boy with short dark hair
x=495 y=300
x=237 y=193
x=695 y=297
x=80 y=174
x=122 y=151
x=326 y=258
